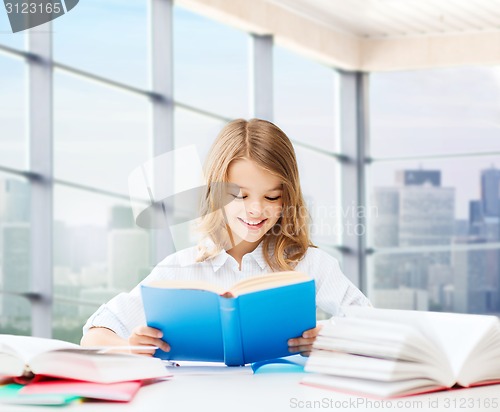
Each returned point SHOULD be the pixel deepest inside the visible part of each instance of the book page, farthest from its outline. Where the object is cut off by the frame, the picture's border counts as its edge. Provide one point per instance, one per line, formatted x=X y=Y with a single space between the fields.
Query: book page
x=384 y=335
x=27 y=347
x=251 y=284
x=378 y=369
x=268 y=281
x=444 y=329
x=482 y=363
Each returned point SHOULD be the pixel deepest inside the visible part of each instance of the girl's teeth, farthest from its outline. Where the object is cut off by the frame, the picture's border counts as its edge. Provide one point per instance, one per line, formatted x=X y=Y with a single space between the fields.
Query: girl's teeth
x=253 y=224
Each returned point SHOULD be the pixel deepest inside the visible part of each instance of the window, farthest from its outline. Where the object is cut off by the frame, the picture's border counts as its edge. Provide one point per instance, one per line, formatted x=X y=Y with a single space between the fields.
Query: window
x=210 y=65
x=98 y=253
x=434 y=184
x=304 y=107
x=15 y=252
x=7 y=38
x=13 y=112
x=100 y=133
x=106 y=38
x=304 y=100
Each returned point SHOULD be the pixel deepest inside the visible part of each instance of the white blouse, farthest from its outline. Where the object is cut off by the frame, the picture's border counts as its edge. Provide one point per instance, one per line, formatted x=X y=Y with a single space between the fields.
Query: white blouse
x=125 y=312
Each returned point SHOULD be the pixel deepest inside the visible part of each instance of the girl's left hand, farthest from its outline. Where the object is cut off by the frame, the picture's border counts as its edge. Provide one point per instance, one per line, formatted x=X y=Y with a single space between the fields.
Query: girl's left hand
x=303 y=344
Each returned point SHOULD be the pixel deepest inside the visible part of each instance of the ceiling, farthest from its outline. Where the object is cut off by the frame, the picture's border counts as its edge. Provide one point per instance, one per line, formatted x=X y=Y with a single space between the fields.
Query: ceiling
x=400 y=18
x=371 y=35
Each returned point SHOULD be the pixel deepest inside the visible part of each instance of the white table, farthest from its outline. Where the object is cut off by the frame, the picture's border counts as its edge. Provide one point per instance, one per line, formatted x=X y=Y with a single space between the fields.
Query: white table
x=274 y=392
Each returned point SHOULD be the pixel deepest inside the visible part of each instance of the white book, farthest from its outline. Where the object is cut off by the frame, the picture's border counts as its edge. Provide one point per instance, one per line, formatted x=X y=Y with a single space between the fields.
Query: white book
x=386 y=352
x=25 y=356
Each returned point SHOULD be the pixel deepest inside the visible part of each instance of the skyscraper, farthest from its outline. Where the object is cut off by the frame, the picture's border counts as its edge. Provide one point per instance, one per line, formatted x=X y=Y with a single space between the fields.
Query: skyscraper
x=415 y=212
x=386 y=222
x=418 y=177
x=490 y=192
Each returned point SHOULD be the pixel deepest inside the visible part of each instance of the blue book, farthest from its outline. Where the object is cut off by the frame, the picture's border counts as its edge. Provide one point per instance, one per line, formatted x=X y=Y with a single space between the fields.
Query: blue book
x=251 y=322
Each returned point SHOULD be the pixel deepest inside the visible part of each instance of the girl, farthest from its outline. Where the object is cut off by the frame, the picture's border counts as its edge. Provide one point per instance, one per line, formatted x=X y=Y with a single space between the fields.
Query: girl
x=253 y=223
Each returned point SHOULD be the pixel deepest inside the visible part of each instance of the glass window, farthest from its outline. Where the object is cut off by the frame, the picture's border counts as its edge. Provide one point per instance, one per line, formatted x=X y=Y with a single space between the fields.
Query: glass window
x=194 y=129
x=68 y=318
x=7 y=38
x=446 y=111
x=107 y=38
x=15 y=315
x=98 y=253
x=321 y=193
x=463 y=280
x=434 y=202
x=100 y=134
x=304 y=100
x=210 y=65
x=98 y=249
x=15 y=252
x=191 y=129
x=13 y=113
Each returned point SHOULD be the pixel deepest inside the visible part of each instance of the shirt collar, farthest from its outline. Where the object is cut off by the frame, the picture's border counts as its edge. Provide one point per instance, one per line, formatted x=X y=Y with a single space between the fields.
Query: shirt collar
x=221 y=258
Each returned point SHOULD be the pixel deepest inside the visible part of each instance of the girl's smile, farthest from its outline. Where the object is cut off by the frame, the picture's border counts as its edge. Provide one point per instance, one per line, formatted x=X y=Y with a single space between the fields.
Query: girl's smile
x=252 y=225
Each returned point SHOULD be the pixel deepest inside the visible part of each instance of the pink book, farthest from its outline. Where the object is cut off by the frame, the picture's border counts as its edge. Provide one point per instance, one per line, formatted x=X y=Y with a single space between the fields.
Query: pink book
x=120 y=392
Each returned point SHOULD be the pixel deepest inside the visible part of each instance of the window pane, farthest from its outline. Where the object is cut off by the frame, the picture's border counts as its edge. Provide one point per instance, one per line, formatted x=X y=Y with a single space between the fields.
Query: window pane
x=434 y=202
x=444 y=110
x=319 y=186
x=7 y=38
x=98 y=252
x=210 y=65
x=15 y=315
x=13 y=111
x=200 y=131
x=107 y=38
x=304 y=100
x=68 y=317
x=100 y=134
x=194 y=129
x=459 y=281
x=14 y=254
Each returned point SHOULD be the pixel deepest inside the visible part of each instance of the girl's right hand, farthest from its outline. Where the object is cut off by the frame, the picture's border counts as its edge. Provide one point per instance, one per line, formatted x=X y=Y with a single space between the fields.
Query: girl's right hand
x=146 y=336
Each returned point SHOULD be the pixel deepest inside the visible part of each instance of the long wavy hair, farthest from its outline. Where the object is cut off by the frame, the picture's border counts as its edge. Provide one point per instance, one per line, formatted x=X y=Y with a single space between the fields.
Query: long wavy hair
x=286 y=243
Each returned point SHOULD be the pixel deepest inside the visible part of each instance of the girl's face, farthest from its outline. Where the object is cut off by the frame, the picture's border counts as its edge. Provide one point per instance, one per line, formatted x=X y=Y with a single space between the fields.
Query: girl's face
x=255 y=201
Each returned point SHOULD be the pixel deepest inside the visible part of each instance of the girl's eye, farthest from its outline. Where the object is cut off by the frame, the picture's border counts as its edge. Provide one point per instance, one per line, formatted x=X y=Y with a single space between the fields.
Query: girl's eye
x=272 y=199
x=238 y=197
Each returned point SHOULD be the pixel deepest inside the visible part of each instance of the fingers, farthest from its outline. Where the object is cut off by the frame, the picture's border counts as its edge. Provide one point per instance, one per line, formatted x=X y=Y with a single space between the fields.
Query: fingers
x=303 y=350
x=303 y=344
x=147 y=336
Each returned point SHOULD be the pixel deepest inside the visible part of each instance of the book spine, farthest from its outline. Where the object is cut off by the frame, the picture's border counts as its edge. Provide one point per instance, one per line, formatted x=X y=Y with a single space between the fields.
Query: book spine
x=231 y=331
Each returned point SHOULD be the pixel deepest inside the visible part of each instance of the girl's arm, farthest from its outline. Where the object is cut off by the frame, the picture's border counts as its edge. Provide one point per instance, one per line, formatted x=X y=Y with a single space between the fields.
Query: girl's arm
x=141 y=336
x=101 y=336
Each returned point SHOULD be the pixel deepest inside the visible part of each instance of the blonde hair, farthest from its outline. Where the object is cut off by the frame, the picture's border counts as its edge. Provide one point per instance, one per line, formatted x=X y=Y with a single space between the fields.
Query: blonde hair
x=286 y=243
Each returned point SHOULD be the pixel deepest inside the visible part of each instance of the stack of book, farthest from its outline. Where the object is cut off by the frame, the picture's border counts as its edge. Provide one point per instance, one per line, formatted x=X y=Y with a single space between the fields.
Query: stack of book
x=53 y=372
x=390 y=353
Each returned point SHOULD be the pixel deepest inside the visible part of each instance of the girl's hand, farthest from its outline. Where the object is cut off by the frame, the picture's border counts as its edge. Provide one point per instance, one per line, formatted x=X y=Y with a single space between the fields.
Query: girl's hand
x=303 y=344
x=146 y=336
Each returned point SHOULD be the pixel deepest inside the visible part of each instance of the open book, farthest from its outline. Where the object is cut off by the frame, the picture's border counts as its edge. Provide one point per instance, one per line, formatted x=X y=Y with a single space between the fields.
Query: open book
x=250 y=322
x=385 y=352
x=25 y=356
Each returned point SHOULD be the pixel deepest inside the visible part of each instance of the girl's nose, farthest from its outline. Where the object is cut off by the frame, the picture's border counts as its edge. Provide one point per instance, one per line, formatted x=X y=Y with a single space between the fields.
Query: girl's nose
x=255 y=208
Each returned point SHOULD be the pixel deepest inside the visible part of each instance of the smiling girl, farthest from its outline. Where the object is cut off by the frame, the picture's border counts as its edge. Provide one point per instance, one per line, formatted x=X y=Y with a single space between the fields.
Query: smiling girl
x=254 y=221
